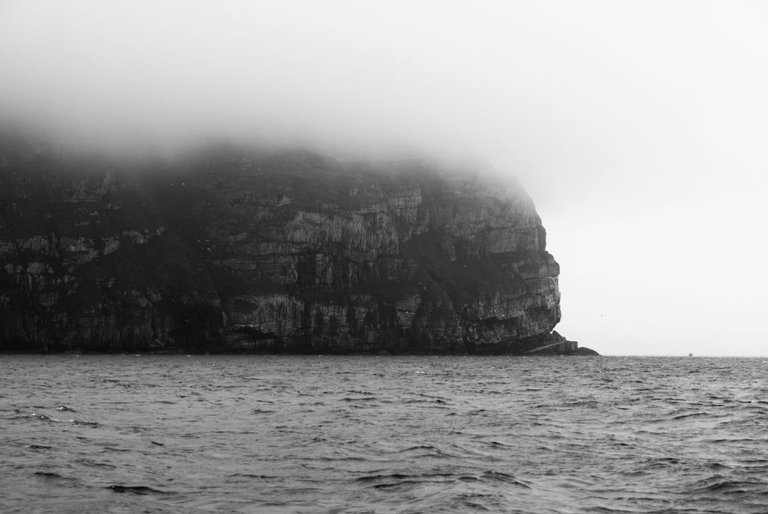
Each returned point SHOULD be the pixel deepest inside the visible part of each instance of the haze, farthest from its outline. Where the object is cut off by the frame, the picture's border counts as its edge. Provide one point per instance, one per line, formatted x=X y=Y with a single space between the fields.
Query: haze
x=639 y=128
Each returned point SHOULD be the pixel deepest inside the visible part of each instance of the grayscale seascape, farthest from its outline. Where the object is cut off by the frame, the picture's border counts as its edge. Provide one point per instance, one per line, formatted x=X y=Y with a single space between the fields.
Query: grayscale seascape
x=174 y=433
x=289 y=256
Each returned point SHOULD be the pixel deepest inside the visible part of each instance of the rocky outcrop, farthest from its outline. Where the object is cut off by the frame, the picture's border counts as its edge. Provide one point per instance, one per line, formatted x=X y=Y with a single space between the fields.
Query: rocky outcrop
x=284 y=251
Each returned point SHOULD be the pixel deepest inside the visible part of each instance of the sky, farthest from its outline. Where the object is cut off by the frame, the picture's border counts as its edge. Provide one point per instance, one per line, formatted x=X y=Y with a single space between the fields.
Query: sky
x=639 y=128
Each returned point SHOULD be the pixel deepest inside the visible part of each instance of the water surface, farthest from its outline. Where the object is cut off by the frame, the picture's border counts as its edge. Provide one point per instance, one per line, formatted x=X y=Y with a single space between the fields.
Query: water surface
x=382 y=434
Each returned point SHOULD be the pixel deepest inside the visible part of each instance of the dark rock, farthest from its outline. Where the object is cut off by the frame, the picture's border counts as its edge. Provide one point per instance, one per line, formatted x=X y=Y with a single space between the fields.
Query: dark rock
x=585 y=352
x=230 y=251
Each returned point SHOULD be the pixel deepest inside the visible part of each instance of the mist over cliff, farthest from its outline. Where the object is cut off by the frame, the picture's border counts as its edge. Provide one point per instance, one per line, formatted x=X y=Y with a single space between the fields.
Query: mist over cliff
x=234 y=249
x=638 y=127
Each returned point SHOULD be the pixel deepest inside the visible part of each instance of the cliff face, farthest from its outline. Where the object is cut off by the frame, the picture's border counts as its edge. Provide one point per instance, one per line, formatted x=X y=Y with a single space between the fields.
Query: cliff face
x=228 y=251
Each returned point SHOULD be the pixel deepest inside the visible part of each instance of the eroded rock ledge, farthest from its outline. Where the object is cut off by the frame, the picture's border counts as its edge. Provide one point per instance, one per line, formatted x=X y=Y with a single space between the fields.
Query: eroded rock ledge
x=268 y=252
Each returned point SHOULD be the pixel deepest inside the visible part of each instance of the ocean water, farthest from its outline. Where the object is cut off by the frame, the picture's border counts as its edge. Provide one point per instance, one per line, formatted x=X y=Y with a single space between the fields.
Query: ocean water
x=382 y=434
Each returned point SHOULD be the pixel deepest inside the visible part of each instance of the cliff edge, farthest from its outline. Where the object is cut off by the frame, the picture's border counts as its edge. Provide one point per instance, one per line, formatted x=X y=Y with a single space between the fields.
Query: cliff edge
x=229 y=250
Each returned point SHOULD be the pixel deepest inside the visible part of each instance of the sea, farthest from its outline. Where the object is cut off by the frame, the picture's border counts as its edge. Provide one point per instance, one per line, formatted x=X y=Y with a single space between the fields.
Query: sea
x=369 y=434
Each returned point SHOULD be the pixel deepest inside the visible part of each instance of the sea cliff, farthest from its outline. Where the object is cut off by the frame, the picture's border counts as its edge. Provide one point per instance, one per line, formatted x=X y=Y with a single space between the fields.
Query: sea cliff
x=232 y=250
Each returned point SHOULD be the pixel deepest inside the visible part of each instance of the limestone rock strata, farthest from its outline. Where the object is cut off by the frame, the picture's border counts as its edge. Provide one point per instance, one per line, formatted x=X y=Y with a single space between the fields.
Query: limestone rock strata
x=289 y=251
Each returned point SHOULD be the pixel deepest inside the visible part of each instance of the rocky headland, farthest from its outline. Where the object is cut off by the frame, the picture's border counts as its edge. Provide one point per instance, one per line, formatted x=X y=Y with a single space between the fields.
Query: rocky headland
x=230 y=250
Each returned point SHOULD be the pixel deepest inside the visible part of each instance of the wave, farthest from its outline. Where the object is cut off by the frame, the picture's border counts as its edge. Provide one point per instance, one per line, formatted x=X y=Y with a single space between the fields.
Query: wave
x=136 y=489
x=723 y=485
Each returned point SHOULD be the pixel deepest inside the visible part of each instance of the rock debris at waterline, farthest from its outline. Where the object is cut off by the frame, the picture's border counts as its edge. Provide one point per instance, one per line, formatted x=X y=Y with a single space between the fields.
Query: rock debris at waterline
x=232 y=251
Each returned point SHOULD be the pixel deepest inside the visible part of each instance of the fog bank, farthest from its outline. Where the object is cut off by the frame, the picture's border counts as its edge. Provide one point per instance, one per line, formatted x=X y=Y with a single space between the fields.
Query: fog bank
x=639 y=128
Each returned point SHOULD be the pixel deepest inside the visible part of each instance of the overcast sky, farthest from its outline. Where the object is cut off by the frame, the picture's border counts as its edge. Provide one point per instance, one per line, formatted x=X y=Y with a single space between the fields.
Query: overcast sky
x=640 y=128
